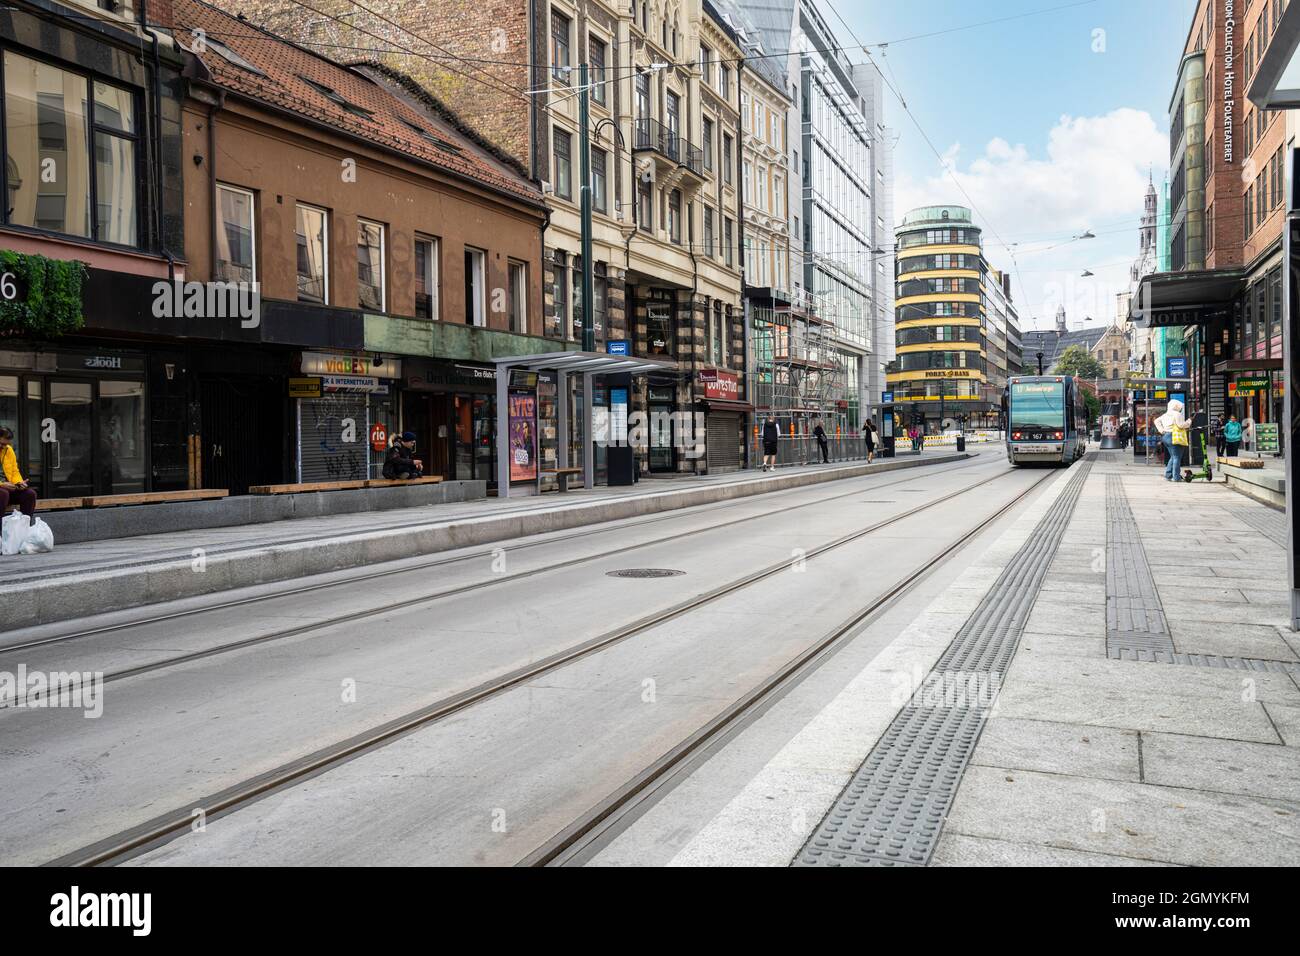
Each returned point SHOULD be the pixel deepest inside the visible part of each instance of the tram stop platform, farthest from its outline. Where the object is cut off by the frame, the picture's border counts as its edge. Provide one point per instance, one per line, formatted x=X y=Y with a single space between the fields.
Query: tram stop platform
x=90 y=577
x=1107 y=684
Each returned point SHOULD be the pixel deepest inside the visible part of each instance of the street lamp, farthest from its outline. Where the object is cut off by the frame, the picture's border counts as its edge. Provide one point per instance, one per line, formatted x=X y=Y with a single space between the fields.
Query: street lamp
x=1040 y=363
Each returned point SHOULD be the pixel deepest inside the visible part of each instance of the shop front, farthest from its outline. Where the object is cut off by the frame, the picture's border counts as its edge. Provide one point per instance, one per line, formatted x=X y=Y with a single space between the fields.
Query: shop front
x=80 y=419
x=451 y=408
x=344 y=403
x=718 y=397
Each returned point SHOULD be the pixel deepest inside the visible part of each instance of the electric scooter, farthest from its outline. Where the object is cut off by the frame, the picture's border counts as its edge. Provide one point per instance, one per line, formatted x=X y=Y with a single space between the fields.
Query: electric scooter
x=1206 y=472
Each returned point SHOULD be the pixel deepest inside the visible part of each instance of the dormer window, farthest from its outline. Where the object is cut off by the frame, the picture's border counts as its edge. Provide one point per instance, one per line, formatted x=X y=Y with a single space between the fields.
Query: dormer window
x=337 y=98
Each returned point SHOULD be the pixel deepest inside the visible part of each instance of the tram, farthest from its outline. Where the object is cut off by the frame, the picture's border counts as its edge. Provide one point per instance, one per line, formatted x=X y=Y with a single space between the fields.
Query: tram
x=1046 y=419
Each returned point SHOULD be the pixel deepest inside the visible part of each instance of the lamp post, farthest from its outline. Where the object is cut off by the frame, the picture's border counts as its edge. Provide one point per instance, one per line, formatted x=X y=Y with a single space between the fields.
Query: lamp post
x=1040 y=363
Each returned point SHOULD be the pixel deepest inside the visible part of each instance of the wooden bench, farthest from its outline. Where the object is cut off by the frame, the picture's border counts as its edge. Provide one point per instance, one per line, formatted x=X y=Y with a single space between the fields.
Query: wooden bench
x=51 y=504
x=1242 y=462
x=291 y=489
x=561 y=476
x=394 y=482
x=153 y=497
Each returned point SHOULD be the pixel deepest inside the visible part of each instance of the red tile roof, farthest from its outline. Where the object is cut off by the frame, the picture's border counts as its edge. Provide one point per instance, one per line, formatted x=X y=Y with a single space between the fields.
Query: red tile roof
x=287 y=72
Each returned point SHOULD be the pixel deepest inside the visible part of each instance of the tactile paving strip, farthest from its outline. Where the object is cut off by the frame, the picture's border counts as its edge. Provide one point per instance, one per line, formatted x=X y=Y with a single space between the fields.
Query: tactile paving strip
x=1136 y=626
x=893 y=809
x=1135 y=618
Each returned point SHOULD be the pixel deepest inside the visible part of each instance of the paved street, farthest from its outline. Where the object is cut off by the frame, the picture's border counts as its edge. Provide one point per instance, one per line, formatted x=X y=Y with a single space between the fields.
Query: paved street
x=482 y=720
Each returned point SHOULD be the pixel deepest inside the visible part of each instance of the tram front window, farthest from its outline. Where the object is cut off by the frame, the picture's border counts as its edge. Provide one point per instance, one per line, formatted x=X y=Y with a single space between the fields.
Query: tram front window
x=1037 y=405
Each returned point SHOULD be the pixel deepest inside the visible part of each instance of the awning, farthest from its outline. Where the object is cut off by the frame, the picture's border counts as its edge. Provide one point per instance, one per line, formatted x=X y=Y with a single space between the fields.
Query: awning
x=724 y=405
x=1248 y=365
x=1277 y=78
x=1197 y=297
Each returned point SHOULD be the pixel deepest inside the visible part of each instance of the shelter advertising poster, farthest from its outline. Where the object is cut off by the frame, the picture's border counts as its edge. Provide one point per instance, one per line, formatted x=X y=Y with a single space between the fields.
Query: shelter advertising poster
x=523 y=436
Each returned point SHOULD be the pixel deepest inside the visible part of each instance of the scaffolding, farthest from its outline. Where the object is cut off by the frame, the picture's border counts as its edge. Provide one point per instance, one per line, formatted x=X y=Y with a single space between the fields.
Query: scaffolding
x=800 y=376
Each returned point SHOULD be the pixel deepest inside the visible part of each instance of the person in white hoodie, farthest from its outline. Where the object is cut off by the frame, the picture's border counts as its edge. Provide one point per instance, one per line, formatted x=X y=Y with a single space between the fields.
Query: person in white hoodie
x=1171 y=425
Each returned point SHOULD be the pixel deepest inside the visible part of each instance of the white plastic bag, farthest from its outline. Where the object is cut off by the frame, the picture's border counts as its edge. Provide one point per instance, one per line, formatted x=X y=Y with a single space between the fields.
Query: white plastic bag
x=13 y=531
x=39 y=539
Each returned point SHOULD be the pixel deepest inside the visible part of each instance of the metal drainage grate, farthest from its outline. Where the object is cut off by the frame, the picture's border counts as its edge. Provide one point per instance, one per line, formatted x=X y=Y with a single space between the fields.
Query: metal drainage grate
x=892 y=811
x=644 y=573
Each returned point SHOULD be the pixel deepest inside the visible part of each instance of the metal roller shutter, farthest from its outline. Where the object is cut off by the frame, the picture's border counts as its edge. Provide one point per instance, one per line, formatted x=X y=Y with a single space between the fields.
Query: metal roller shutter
x=723 y=442
x=323 y=455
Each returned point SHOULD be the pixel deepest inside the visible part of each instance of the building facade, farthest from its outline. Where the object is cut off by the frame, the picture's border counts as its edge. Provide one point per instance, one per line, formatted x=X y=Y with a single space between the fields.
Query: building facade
x=1218 y=308
x=941 y=320
x=94 y=217
x=664 y=95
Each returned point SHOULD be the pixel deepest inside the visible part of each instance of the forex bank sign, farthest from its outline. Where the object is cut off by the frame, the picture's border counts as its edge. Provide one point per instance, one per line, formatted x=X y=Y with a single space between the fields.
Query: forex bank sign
x=1229 y=75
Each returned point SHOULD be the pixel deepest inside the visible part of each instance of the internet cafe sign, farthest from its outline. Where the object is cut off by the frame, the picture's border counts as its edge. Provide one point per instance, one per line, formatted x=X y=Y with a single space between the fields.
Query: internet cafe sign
x=1229 y=74
x=330 y=363
x=720 y=385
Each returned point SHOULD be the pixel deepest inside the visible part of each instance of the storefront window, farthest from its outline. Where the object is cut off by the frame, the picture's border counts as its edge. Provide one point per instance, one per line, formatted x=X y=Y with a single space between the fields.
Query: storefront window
x=121 y=436
x=659 y=326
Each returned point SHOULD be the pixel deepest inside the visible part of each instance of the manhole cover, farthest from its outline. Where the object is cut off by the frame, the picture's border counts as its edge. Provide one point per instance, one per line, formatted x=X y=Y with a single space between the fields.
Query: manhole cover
x=643 y=573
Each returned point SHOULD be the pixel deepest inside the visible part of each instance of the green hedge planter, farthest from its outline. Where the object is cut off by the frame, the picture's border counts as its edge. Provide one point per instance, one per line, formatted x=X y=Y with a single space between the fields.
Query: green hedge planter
x=38 y=296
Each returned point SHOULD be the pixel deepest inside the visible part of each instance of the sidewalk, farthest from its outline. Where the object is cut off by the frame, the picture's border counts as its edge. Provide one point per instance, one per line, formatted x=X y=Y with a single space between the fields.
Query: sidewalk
x=90 y=577
x=1152 y=711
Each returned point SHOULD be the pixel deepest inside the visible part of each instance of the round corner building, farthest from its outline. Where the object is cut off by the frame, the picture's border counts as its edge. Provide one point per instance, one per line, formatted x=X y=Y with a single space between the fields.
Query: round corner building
x=940 y=371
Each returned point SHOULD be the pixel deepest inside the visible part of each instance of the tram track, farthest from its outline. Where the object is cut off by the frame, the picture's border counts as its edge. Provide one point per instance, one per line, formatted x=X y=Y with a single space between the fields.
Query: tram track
x=354 y=616
x=583 y=838
x=166 y=827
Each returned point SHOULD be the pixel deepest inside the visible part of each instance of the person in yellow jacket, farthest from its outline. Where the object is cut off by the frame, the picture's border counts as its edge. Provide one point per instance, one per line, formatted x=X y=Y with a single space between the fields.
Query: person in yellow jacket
x=14 y=489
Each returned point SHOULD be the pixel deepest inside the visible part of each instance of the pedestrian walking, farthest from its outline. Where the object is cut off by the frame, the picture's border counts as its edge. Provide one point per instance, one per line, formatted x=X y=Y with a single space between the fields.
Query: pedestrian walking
x=869 y=438
x=1173 y=427
x=1125 y=432
x=1232 y=436
x=14 y=489
x=770 y=436
x=820 y=434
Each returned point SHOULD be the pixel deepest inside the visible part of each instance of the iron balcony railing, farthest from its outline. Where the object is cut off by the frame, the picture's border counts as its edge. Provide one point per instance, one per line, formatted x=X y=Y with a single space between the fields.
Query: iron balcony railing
x=652 y=134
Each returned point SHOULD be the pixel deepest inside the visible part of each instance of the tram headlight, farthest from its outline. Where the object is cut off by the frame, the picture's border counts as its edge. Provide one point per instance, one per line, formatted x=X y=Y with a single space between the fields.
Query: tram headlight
x=1060 y=435
x=1015 y=436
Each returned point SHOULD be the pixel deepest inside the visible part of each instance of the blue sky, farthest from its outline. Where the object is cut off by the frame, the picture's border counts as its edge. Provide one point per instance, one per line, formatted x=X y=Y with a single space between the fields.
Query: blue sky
x=1049 y=124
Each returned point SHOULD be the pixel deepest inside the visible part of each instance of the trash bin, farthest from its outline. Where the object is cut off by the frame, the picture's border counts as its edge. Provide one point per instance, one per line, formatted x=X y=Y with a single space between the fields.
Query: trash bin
x=961 y=442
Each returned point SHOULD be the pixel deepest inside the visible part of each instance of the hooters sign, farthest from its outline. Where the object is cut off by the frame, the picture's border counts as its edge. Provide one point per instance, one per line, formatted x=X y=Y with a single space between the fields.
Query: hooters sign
x=379 y=436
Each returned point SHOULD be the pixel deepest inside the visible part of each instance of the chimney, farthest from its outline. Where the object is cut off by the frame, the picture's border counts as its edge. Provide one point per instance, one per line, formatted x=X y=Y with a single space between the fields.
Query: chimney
x=160 y=14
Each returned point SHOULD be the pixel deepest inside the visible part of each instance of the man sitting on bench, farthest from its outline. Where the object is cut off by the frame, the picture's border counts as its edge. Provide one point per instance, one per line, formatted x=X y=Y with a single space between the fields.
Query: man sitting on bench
x=401 y=462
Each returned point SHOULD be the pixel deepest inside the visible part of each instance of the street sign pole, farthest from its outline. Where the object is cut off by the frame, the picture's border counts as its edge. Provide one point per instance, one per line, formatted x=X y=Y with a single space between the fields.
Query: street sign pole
x=1290 y=369
x=584 y=150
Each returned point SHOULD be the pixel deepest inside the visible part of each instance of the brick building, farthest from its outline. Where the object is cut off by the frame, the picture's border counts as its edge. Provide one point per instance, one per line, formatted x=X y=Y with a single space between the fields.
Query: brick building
x=1222 y=301
x=667 y=224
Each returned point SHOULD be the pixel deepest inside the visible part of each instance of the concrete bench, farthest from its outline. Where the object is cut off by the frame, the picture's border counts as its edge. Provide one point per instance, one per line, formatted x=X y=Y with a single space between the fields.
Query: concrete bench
x=561 y=476
x=153 y=497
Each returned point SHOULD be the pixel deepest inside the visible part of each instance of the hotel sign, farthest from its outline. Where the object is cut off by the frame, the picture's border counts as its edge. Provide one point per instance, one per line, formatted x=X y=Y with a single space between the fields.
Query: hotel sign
x=1229 y=74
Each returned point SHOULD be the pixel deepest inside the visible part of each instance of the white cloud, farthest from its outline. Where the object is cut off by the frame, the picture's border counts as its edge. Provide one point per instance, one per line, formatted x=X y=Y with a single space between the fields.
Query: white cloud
x=1092 y=175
